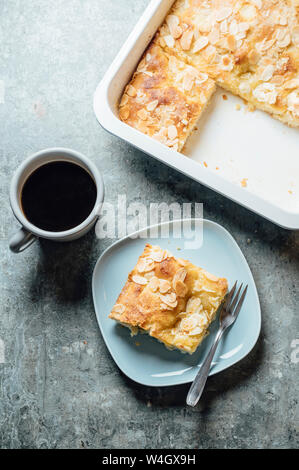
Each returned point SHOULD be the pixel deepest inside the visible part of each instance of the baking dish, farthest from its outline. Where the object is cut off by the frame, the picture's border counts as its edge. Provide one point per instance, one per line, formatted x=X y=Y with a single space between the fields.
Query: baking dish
x=248 y=157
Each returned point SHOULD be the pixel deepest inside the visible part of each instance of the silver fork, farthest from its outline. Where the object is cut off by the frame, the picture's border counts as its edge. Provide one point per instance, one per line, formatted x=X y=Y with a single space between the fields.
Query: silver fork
x=228 y=315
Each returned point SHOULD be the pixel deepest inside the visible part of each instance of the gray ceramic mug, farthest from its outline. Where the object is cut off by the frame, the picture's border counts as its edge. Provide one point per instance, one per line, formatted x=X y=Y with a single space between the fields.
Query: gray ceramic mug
x=28 y=233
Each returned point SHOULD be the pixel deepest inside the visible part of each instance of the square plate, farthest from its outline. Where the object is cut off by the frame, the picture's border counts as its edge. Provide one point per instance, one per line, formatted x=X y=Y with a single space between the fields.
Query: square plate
x=149 y=362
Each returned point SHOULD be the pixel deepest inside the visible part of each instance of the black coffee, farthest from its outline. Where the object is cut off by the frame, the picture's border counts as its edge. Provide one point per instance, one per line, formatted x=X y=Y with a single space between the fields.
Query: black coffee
x=58 y=196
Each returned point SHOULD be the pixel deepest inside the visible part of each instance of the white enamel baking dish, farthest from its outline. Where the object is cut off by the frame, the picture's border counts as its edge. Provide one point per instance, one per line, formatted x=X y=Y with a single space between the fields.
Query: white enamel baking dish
x=247 y=156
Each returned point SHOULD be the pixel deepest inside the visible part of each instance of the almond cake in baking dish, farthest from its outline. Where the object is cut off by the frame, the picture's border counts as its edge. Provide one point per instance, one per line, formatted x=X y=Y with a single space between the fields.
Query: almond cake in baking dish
x=170 y=299
x=250 y=48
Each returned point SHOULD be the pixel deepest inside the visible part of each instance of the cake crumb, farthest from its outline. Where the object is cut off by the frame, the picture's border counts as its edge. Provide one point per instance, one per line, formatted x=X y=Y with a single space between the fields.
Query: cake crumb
x=244 y=182
x=238 y=107
x=205 y=164
x=290 y=191
x=224 y=97
x=217 y=167
x=137 y=343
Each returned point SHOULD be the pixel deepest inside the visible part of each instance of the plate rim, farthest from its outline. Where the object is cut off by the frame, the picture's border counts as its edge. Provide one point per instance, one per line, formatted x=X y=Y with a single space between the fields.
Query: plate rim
x=130 y=236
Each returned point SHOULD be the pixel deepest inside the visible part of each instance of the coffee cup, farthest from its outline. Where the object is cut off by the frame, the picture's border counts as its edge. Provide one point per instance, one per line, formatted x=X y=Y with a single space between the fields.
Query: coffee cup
x=25 y=208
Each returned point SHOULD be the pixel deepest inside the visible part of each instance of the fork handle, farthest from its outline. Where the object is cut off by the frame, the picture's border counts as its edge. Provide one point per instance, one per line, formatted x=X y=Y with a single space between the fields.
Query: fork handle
x=199 y=382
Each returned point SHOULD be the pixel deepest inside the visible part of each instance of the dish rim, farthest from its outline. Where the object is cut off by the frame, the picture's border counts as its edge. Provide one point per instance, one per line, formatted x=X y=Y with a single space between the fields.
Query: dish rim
x=130 y=236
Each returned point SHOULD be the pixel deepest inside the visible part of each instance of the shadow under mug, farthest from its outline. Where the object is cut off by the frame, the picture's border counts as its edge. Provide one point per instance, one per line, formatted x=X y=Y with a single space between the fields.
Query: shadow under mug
x=29 y=232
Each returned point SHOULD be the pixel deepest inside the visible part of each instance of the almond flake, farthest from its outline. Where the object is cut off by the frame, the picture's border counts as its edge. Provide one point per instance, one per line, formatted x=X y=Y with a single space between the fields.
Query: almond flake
x=180 y=275
x=186 y=40
x=169 y=299
x=148 y=57
x=124 y=100
x=131 y=91
x=223 y=13
x=154 y=284
x=172 y=132
x=164 y=286
x=284 y=42
x=267 y=73
x=118 y=308
x=295 y=35
x=139 y=279
x=124 y=113
x=210 y=276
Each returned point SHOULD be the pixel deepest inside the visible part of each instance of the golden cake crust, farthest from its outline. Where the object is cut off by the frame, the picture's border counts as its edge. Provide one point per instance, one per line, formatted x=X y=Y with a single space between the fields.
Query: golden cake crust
x=169 y=298
x=250 y=48
x=165 y=97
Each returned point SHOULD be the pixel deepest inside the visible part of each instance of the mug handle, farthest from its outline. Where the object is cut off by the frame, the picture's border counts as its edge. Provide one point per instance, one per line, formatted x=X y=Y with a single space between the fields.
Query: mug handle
x=21 y=240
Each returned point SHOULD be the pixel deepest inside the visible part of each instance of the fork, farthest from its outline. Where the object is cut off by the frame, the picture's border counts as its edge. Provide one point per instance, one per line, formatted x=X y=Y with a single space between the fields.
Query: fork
x=228 y=315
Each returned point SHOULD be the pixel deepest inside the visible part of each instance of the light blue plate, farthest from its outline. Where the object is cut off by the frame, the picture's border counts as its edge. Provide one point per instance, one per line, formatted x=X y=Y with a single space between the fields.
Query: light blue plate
x=149 y=362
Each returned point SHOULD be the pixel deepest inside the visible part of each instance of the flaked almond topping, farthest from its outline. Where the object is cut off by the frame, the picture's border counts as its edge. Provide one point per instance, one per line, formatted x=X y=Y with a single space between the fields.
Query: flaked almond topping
x=124 y=100
x=248 y=12
x=164 y=307
x=131 y=91
x=267 y=73
x=172 y=132
x=142 y=114
x=223 y=26
x=266 y=93
x=284 y=42
x=231 y=42
x=200 y=43
x=184 y=121
x=186 y=40
x=223 y=13
x=148 y=57
x=180 y=288
x=139 y=279
x=164 y=286
x=124 y=113
x=145 y=265
x=118 y=308
x=214 y=36
x=154 y=284
x=226 y=63
x=169 y=299
x=244 y=87
x=293 y=102
x=291 y=84
x=173 y=25
x=182 y=261
x=180 y=275
x=253 y=57
x=210 y=276
x=152 y=105
x=169 y=41
x=295 y=35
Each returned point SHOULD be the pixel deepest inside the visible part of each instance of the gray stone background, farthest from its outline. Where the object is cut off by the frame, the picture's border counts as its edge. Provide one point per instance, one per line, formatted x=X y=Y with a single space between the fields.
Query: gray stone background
x=59 y=387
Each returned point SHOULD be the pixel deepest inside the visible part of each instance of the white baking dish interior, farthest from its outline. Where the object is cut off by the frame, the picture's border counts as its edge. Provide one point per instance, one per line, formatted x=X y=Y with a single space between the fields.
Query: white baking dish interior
x=246 y=156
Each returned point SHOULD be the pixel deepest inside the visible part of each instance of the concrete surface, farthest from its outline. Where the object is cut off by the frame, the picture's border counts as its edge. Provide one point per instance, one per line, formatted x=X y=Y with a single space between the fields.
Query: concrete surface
x=59 y=387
